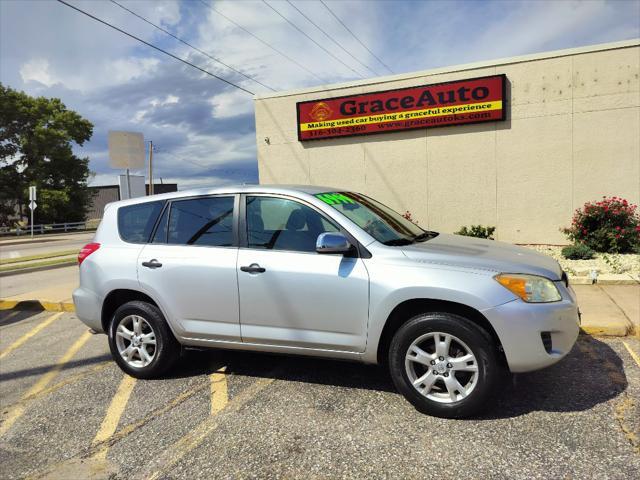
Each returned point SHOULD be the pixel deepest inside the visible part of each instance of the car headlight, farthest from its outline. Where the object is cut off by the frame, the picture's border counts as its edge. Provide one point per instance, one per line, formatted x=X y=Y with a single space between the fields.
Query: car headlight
x=530 y=288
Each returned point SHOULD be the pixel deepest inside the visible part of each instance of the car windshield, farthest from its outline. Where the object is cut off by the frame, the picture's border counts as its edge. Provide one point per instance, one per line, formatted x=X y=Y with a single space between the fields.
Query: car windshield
x=376 y=219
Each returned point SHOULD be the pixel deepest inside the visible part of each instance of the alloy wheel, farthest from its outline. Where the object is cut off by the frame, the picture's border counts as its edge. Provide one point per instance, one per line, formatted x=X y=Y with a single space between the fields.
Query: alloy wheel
x=136 y=341
x=441 y=367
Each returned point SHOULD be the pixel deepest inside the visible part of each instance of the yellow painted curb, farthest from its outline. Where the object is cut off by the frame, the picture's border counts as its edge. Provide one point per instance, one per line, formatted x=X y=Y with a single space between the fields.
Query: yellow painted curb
x=37 y=305
x=8 y=304
x=606 y=330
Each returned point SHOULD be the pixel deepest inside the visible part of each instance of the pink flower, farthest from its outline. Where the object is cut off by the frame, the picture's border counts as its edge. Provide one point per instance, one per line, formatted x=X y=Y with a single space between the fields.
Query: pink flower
x=618 y=228
x=618 y=235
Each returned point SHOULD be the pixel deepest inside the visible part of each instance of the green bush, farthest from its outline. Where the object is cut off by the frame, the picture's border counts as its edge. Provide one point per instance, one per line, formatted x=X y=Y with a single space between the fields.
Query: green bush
x=478 y=231
x=578 y=252
x=610 y=226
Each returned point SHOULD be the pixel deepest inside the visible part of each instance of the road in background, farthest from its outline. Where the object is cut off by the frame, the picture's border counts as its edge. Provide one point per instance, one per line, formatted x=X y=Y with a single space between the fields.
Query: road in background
x=69 y=412
x=59 y=281
x=15 y=247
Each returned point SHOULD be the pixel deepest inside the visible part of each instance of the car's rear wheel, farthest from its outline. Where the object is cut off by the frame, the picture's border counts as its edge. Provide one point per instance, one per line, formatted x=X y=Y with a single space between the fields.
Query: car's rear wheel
x=444 y=364
x=140 y=340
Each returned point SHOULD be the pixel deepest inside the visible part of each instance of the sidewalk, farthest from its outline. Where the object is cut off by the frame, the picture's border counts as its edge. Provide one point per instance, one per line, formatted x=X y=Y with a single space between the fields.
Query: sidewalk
x=612 y=310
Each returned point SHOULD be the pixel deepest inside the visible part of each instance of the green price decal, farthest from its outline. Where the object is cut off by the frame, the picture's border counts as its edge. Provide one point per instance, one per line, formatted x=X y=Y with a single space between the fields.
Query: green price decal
x=334 y=198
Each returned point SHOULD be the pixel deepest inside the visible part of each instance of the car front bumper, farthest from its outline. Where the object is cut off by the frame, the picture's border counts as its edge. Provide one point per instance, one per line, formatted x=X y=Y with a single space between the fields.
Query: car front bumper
x=521 y=327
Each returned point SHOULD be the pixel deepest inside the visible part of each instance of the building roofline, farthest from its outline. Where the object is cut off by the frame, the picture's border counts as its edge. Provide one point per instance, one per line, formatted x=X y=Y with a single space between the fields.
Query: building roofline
x=456 y=68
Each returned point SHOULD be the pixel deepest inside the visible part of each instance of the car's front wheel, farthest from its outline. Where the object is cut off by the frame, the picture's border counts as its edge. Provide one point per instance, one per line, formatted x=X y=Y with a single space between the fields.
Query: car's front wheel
x=444 y=364
x=140 y=340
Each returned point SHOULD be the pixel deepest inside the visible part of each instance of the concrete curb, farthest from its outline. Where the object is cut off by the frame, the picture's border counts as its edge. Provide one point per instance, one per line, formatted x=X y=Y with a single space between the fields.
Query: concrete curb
x=37 y=305
x=606 y=330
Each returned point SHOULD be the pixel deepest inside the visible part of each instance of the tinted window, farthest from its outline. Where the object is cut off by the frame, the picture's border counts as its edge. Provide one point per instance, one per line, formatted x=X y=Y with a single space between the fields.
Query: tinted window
x=136 y=222
x=161 y=232
x=202 y=221
x=281 y=224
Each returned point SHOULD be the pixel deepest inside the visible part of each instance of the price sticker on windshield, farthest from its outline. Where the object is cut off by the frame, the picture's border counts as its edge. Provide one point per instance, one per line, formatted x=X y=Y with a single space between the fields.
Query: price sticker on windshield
x=335 y=198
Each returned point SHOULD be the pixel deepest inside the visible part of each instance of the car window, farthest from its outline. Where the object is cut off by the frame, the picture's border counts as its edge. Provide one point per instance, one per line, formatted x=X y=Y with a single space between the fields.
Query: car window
x=202 y=221
x=160 y=235
x=282 y=224
x=376 y=219
x=136 y=222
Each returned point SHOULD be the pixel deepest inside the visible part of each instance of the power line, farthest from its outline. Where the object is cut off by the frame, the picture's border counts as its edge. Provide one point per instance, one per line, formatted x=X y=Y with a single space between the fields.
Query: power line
x=191 y=46
x=330 y=38
x=354 y=36
x=262 y=41
x=156 y=47
x=305 y=34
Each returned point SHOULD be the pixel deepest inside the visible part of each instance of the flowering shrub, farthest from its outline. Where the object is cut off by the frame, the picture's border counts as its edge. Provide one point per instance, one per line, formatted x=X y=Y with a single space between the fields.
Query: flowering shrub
x=478 y=231
x=610 y=225
x=407 y=215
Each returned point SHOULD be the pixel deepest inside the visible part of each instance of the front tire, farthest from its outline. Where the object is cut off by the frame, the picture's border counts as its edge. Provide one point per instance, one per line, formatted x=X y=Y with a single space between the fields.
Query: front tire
x=444 y=364
x=140 y=340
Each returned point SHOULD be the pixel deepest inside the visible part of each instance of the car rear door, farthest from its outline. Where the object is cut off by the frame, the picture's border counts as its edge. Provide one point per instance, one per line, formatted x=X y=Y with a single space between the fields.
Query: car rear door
x=289 y=294
x=190 y=267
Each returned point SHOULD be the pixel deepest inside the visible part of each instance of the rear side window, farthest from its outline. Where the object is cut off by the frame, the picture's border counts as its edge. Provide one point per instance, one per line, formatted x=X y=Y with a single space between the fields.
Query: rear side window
x=135 y=222
x=202 y=221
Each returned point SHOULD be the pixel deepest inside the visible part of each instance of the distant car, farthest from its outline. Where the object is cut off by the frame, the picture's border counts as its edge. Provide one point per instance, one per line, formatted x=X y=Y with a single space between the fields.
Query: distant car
x=322 y=272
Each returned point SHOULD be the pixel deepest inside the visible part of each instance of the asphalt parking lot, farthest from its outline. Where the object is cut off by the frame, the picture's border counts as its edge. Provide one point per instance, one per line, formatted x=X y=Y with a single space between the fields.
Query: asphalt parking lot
x=69 y=412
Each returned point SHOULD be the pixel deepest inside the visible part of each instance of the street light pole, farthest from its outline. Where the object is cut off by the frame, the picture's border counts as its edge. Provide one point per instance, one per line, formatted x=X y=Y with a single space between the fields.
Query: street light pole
x=150 y=167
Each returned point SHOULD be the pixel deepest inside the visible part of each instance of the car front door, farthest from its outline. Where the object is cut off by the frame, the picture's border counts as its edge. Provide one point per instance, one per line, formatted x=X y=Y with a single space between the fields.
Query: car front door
x=190 y=267
x=289 y=294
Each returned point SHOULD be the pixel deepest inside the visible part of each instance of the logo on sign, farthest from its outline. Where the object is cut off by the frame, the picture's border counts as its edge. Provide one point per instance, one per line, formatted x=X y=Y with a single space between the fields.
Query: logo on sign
x=320 y=111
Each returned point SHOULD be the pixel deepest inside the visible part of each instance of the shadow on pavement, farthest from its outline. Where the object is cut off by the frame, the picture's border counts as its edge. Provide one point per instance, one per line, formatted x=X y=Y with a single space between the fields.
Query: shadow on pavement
x=591 y=374
x=29 y=372
x=9 y=317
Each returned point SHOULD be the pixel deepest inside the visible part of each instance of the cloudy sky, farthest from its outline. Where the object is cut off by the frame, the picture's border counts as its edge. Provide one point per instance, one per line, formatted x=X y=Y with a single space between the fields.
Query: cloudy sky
x=204 y=128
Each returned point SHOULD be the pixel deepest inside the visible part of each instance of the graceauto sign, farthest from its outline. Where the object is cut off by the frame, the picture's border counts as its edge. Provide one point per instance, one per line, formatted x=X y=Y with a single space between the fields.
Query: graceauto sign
x=474 y=100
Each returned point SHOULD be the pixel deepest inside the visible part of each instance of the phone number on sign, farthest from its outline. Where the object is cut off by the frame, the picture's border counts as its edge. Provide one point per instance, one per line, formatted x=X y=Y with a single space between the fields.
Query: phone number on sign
x=336 y=131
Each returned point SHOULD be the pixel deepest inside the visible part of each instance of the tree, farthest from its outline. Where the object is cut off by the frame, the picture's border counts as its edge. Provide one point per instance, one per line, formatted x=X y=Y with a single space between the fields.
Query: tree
x=36 y=136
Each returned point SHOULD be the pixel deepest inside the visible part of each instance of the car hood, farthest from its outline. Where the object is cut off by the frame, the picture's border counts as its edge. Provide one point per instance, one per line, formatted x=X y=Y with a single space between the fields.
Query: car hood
x=469 y=252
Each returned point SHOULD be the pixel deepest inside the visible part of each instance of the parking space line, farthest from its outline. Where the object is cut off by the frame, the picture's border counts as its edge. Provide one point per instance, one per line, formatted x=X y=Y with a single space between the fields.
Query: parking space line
x=17 y=411
x=178 y=450
x=633 y=354
x=112 y=417
x=219 y=394
x=49 y=471
x=30 y=334
x=63 y=383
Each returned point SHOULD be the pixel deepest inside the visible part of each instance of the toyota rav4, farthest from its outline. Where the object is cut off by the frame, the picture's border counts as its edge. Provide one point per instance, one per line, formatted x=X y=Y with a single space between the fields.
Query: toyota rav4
x=323 y=272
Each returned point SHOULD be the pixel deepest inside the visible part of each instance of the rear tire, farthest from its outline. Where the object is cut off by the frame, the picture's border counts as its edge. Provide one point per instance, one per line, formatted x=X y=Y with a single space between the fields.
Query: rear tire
x=140 y=340
x=444 y=364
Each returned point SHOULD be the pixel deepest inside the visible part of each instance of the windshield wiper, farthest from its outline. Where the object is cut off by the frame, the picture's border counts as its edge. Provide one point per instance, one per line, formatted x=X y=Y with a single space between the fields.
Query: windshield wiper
x=397 y=242
x=427 y=235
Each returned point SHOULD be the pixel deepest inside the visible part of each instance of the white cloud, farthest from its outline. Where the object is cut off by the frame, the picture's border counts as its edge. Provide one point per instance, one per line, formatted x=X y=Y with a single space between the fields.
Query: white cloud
x=124 y=70
x=37 y=70
x=231 y=104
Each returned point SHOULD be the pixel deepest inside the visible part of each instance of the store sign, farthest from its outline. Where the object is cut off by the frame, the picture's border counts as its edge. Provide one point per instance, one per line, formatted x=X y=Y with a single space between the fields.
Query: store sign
x=474 y=100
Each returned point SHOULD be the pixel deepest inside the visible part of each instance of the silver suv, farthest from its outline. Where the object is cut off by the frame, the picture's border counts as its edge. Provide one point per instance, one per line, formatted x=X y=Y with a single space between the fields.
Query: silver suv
x=323 y=272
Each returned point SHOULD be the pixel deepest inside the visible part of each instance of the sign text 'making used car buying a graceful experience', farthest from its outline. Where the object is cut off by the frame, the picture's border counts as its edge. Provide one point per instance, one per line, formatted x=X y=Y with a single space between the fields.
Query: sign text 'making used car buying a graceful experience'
x=452 y=103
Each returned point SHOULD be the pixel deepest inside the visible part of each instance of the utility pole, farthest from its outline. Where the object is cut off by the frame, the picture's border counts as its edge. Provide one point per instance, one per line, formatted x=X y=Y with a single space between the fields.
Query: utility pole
x=150 y=167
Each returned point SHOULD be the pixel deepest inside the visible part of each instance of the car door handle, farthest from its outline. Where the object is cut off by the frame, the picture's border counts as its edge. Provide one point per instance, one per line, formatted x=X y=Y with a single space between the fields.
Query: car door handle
x=153 y=263
x=253 y=268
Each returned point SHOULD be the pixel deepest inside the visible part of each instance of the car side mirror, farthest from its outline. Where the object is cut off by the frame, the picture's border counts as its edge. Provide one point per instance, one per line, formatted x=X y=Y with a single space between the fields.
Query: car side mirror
x=332 y=243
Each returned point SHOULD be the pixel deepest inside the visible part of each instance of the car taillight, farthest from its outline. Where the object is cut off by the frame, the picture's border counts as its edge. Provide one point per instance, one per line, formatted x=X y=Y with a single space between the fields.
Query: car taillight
x=87 y=250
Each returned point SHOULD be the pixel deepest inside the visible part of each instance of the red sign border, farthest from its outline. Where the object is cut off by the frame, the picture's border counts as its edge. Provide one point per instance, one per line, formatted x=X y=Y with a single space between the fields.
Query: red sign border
x=501 y=119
